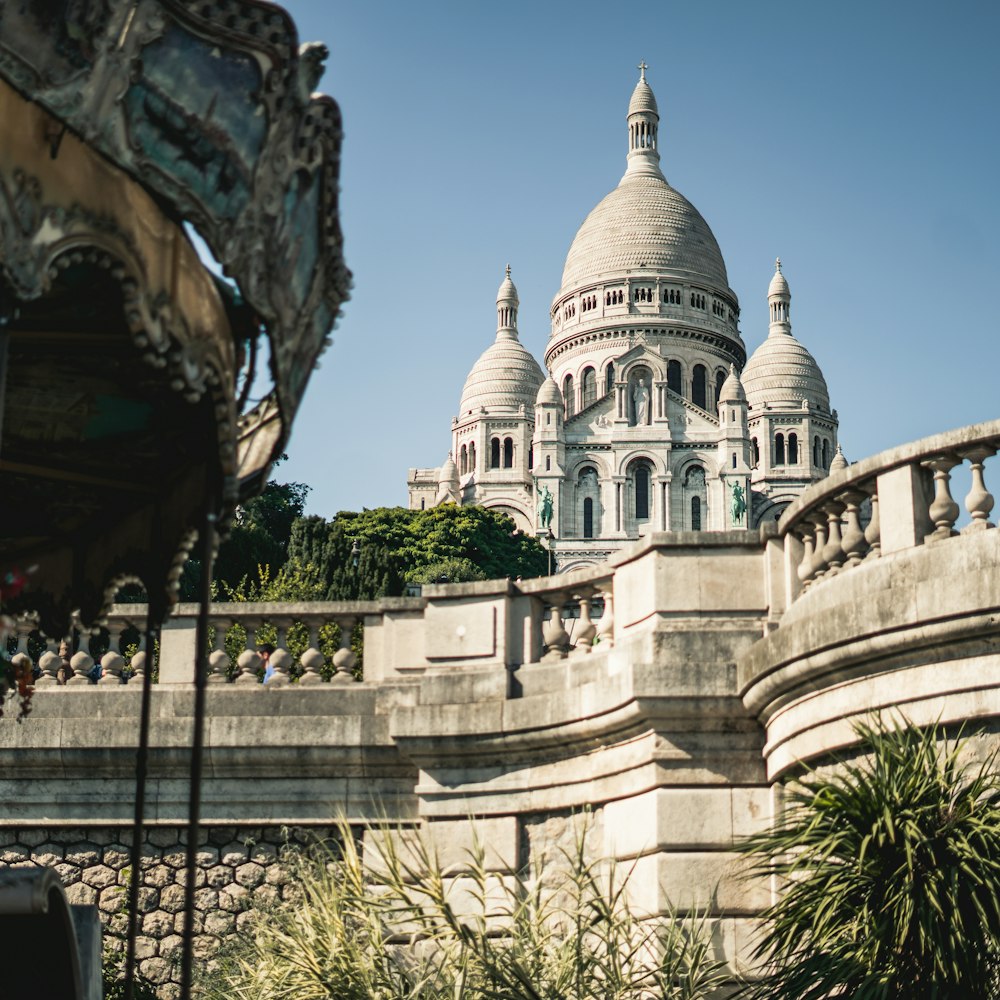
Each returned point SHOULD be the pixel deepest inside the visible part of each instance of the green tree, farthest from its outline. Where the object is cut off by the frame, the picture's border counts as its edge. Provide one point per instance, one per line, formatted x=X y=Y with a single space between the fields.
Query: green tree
x=393 y=546
x=259 y=537
x=888 y=869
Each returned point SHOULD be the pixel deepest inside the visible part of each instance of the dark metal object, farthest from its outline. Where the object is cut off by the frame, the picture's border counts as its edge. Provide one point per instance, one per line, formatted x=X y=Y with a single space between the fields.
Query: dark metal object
x=138 y=830
x=197 y=748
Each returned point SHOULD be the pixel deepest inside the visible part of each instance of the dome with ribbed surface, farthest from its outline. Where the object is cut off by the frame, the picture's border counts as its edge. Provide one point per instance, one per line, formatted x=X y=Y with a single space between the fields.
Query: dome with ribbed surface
x=782 y=373
x=732 y=389
x=505 y=375
x=644 y=224
x=549 y=394
x=643 y=101
x=779 y=283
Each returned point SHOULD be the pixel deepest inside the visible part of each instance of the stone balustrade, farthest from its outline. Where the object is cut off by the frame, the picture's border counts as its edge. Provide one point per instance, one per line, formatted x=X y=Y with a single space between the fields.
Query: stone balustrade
x=893 y=501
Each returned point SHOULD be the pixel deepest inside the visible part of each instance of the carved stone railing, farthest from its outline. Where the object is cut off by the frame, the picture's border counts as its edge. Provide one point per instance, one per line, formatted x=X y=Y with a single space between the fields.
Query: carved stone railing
x=893 y=501
x=571 y=614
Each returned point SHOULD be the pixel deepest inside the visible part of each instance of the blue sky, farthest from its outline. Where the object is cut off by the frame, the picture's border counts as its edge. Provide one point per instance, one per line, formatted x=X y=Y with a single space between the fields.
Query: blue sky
x=858 y=141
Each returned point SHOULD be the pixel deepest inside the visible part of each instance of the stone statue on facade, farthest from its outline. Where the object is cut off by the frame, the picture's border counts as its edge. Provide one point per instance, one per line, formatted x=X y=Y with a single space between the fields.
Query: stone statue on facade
x=545 y=507
x=640 y=400
x=739 y=503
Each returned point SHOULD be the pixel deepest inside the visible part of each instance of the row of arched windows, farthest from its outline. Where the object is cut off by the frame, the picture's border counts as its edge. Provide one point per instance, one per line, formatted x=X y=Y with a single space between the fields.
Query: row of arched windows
x=589 y=386
x=779 y=312
x=671 y=296
x=502 y=452
x=638 y=496
x=467 y=458
x=786 y=450
x=642 y=135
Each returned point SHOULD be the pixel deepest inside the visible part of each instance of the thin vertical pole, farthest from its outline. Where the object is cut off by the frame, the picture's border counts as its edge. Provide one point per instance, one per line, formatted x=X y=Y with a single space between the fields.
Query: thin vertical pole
x=138 y=831
x=197 y=749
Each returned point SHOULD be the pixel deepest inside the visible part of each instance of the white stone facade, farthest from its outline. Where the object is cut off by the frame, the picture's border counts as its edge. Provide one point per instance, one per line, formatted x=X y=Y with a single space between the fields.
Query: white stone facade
x=628 y=431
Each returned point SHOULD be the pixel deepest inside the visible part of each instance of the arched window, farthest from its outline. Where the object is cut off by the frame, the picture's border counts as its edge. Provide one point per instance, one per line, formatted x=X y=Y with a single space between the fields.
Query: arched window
x=548 y=463
x=508 y=453
x=779 y=449
x=531 y=456
x=816 y=450
x=698 y=388
x=734 y=459
x=588 y=385
x=695 y=495
x=588 y=518
x=826 y=454
x=495 y=453
x=568 y=395
x=756 y=452
x=609 y=377
x=463 y=461
x=674 y=377
x=423 y=505
x=720 y=377
x=472 y=457
x=641 y=493
x=793 y=449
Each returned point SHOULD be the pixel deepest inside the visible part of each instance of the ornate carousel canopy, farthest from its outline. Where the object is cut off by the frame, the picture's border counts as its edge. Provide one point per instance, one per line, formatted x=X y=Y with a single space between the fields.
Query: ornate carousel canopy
x=120 y=354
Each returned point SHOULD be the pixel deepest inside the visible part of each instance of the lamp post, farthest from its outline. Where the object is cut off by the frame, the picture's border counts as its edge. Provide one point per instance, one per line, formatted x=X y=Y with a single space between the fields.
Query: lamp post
x=551 y=539
x=355 y=553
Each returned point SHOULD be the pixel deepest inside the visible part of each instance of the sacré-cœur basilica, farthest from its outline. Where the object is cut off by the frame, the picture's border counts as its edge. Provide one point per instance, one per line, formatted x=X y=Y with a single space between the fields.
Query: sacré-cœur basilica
x=650 y=417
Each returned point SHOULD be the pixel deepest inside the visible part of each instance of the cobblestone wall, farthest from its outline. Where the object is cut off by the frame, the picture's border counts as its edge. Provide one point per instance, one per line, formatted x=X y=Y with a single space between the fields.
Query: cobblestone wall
x=233 y=863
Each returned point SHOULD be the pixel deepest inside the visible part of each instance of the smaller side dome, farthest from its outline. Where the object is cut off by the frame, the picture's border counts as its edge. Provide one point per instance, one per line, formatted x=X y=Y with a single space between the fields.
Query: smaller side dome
x=549 y=394
x=732 y=388
x=448 y=473
x=839 y=461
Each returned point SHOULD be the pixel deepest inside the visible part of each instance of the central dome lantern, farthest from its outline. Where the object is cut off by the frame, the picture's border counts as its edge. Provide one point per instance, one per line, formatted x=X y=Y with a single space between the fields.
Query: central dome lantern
x=644 y=228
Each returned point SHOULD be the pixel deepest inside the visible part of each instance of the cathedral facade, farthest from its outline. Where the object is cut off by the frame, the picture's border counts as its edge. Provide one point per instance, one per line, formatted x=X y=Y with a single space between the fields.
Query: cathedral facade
x=648 y=415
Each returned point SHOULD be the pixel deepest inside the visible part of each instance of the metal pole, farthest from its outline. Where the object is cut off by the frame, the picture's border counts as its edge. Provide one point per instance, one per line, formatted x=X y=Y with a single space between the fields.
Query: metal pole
x=197 y=750
x=141 y=769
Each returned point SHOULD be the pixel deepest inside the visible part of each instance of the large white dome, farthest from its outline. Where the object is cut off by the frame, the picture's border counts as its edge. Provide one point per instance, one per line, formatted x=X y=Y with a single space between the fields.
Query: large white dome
x=644 y=224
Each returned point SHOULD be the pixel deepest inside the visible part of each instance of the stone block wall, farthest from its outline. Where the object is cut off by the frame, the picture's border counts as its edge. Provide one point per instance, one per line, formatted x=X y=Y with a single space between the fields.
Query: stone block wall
x=235 y=863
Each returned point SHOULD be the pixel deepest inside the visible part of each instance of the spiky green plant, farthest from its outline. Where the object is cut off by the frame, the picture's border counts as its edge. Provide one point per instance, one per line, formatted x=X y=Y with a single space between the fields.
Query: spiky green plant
x=396 y=925
x=887 y=869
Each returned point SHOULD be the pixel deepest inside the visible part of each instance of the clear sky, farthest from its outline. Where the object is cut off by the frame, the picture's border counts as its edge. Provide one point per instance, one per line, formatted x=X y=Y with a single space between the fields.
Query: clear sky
x=858 y=141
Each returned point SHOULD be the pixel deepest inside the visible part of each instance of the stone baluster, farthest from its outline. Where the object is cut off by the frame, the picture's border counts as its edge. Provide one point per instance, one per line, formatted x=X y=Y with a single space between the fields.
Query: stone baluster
x=281 y=659
x=248 y=663
x=873 y=532
x=943 y=510
x=554 y=634
x=81 y=662
x=112 y=666
x=853 y=542
x=606 y=630
x=23 y=667
x=345 y=660
x=819 y=524
x=586 y=631
x=804 y=572
x=218 y=660
x=833 y=551
x=979 y=501
x=49 y=664
x=115 y=630
x=138 y=663
x=312 y=660
x=24 y=628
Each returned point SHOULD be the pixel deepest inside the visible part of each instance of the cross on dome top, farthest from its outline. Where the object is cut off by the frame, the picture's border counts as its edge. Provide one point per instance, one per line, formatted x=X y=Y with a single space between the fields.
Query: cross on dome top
x=777 y=264
x=508 y=270
x=642 y=67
